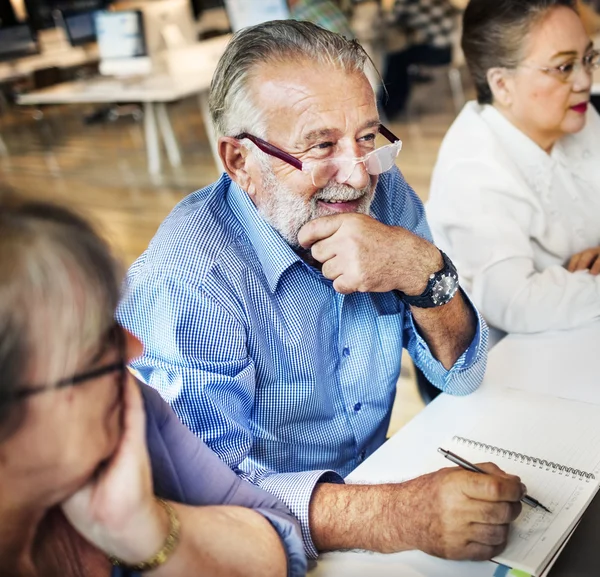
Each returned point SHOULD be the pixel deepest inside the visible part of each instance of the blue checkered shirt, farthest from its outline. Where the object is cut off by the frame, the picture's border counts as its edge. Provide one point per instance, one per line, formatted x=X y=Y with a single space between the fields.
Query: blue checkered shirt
x=289 y=382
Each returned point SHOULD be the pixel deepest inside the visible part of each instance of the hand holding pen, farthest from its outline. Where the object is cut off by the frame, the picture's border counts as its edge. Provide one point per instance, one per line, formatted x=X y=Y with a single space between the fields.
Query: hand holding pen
x=527 y=499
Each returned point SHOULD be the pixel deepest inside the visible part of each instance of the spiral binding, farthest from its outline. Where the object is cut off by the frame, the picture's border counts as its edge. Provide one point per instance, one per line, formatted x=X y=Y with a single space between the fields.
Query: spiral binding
x=520 y=457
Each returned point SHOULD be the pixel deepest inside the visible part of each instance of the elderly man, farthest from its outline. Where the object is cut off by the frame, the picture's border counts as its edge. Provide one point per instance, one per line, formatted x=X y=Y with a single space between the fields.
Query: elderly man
x=274 y=304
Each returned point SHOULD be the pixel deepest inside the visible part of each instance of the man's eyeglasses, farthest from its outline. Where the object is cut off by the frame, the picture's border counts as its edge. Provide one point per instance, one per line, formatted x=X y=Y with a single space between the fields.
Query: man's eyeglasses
x=115 y=337
x=568 y=71
x=323 y=171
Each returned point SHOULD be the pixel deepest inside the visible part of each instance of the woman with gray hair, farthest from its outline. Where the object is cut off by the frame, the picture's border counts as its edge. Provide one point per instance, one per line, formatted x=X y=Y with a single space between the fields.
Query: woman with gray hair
x=97 y=475
x=515 y=195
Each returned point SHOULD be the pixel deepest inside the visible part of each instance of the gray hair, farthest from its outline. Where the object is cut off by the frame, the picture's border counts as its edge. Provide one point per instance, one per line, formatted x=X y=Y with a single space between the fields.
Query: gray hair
x=59 y=287
x=231 y=106
x=494 y=33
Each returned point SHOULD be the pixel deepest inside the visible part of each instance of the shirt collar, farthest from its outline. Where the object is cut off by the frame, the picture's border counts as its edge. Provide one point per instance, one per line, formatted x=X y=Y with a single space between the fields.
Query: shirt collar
x=537 y=166
x=569 y=153
x=274 y=254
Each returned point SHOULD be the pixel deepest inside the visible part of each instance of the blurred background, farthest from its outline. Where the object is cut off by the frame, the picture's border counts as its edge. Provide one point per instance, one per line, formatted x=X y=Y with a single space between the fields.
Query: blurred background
x=103 y=105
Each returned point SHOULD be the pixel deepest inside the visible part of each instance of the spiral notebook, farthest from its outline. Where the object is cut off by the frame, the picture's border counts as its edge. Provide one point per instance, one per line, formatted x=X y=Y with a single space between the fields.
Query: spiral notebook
x=554 y=446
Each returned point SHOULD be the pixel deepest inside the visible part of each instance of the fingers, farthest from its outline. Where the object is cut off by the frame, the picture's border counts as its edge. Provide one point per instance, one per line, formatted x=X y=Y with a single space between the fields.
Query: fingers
x=493 y=469
x=588 y=257
x=485 y=512
x=323 y=250
x=481 y=552
x=342 y=281
x=494 y=487
x=134 y=419
x=572 y=266
x=584 y=260
x=492 y=535
x=332 y=269
x=595 y=267
x=319 y=229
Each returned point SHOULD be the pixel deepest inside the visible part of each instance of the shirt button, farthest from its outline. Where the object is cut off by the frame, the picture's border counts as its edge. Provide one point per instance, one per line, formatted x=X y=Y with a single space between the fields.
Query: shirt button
x=362 y=456
x=346 y=351
x=357 y=407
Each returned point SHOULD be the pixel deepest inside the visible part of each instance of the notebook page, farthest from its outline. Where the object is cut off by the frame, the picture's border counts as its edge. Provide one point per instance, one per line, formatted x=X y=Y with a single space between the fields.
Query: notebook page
x=536 y=534
x=558 y=431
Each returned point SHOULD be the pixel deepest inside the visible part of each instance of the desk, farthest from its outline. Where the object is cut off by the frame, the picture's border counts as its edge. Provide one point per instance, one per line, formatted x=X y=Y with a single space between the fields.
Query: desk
x=67 y=58
x=154 y=92
x=546 y=362
x=562 y=363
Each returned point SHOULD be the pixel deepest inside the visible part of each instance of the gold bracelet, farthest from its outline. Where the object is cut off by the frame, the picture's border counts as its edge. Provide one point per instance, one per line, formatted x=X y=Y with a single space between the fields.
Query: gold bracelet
x=167 y=549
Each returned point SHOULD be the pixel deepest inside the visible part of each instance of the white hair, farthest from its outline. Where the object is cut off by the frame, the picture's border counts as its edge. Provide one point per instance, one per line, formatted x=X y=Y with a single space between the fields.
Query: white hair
x=231 y=105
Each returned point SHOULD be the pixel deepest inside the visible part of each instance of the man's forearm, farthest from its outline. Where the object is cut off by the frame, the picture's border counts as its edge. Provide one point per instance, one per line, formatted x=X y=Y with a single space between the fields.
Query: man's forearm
x=449 y=329
x=225 y=541
x=356 y=517
x=450 y=513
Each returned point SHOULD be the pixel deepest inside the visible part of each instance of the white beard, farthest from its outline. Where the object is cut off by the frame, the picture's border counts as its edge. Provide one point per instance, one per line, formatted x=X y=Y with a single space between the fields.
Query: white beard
x=287 y=213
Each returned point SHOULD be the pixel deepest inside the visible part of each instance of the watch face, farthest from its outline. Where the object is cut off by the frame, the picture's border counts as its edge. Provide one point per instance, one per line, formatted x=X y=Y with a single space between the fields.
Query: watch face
x=444 y=289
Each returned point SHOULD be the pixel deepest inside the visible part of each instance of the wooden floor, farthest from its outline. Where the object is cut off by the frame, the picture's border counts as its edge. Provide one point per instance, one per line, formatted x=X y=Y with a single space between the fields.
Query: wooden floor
x=101 y=171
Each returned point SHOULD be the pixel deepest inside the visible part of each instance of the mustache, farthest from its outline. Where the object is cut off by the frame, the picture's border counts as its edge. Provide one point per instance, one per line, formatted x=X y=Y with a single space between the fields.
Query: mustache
x=343 y=192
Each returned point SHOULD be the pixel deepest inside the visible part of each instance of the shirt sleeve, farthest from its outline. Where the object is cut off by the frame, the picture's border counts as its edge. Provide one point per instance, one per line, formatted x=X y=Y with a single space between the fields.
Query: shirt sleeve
x=195 y=356
x=467 y=372
x=203 y=479
x=485 y=225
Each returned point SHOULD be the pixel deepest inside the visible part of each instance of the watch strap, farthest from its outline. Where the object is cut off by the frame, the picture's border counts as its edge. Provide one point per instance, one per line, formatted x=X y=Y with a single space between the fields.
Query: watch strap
x=425 y=299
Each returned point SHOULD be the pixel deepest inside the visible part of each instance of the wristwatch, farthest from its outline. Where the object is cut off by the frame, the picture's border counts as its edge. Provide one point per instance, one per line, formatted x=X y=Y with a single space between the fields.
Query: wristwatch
x=440 y=289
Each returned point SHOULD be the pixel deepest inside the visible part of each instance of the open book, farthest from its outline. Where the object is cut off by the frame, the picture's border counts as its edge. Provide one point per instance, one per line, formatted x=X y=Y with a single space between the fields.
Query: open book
x=554 y=446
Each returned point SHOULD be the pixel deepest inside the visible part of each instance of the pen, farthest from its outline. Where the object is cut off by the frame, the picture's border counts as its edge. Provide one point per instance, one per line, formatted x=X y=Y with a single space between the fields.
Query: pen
x=470 y=467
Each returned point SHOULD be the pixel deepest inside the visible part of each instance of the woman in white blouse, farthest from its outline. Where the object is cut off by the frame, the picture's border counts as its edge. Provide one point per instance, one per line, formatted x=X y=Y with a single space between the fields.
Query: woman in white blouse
x=515 y=197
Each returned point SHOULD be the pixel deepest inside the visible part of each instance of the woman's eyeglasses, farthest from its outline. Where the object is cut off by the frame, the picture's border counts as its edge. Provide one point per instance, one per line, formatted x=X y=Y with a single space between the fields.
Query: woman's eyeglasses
x=323 y=171
x=568 y=71
x=114 y=337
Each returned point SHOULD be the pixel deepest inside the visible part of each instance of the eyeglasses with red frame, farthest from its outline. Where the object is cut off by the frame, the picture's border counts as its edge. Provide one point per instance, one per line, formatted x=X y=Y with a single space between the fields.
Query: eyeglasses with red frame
x=322 y=171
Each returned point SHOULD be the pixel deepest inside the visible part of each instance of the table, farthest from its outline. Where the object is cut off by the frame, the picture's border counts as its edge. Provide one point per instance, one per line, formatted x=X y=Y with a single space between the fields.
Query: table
x=65 y=58
x=538 y=363
x=562 y=363
x=154 y=92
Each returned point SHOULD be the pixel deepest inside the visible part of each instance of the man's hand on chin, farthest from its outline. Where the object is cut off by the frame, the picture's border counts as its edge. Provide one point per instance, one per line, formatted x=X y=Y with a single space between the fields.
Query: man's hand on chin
x=361 y=254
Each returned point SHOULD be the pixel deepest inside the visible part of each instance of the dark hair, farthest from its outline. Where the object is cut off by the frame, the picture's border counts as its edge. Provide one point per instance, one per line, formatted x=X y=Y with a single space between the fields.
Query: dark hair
x=493 y=34
x=59 y=287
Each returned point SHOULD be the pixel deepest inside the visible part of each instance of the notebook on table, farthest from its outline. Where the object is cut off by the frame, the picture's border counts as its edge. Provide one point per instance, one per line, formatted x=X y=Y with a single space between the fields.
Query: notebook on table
x=554 y=446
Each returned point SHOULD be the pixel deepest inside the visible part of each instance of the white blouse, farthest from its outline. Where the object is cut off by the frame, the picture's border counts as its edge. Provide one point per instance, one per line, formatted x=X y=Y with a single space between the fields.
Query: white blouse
x=511 y=216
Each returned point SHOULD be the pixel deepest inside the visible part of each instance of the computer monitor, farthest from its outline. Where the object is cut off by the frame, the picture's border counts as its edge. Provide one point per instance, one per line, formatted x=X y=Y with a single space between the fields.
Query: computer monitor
x=41 y=13
x=168 y=24
x=200 y=6
x=17 y=42
x=79 y=27
x=244 y=13
x=120 y=34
